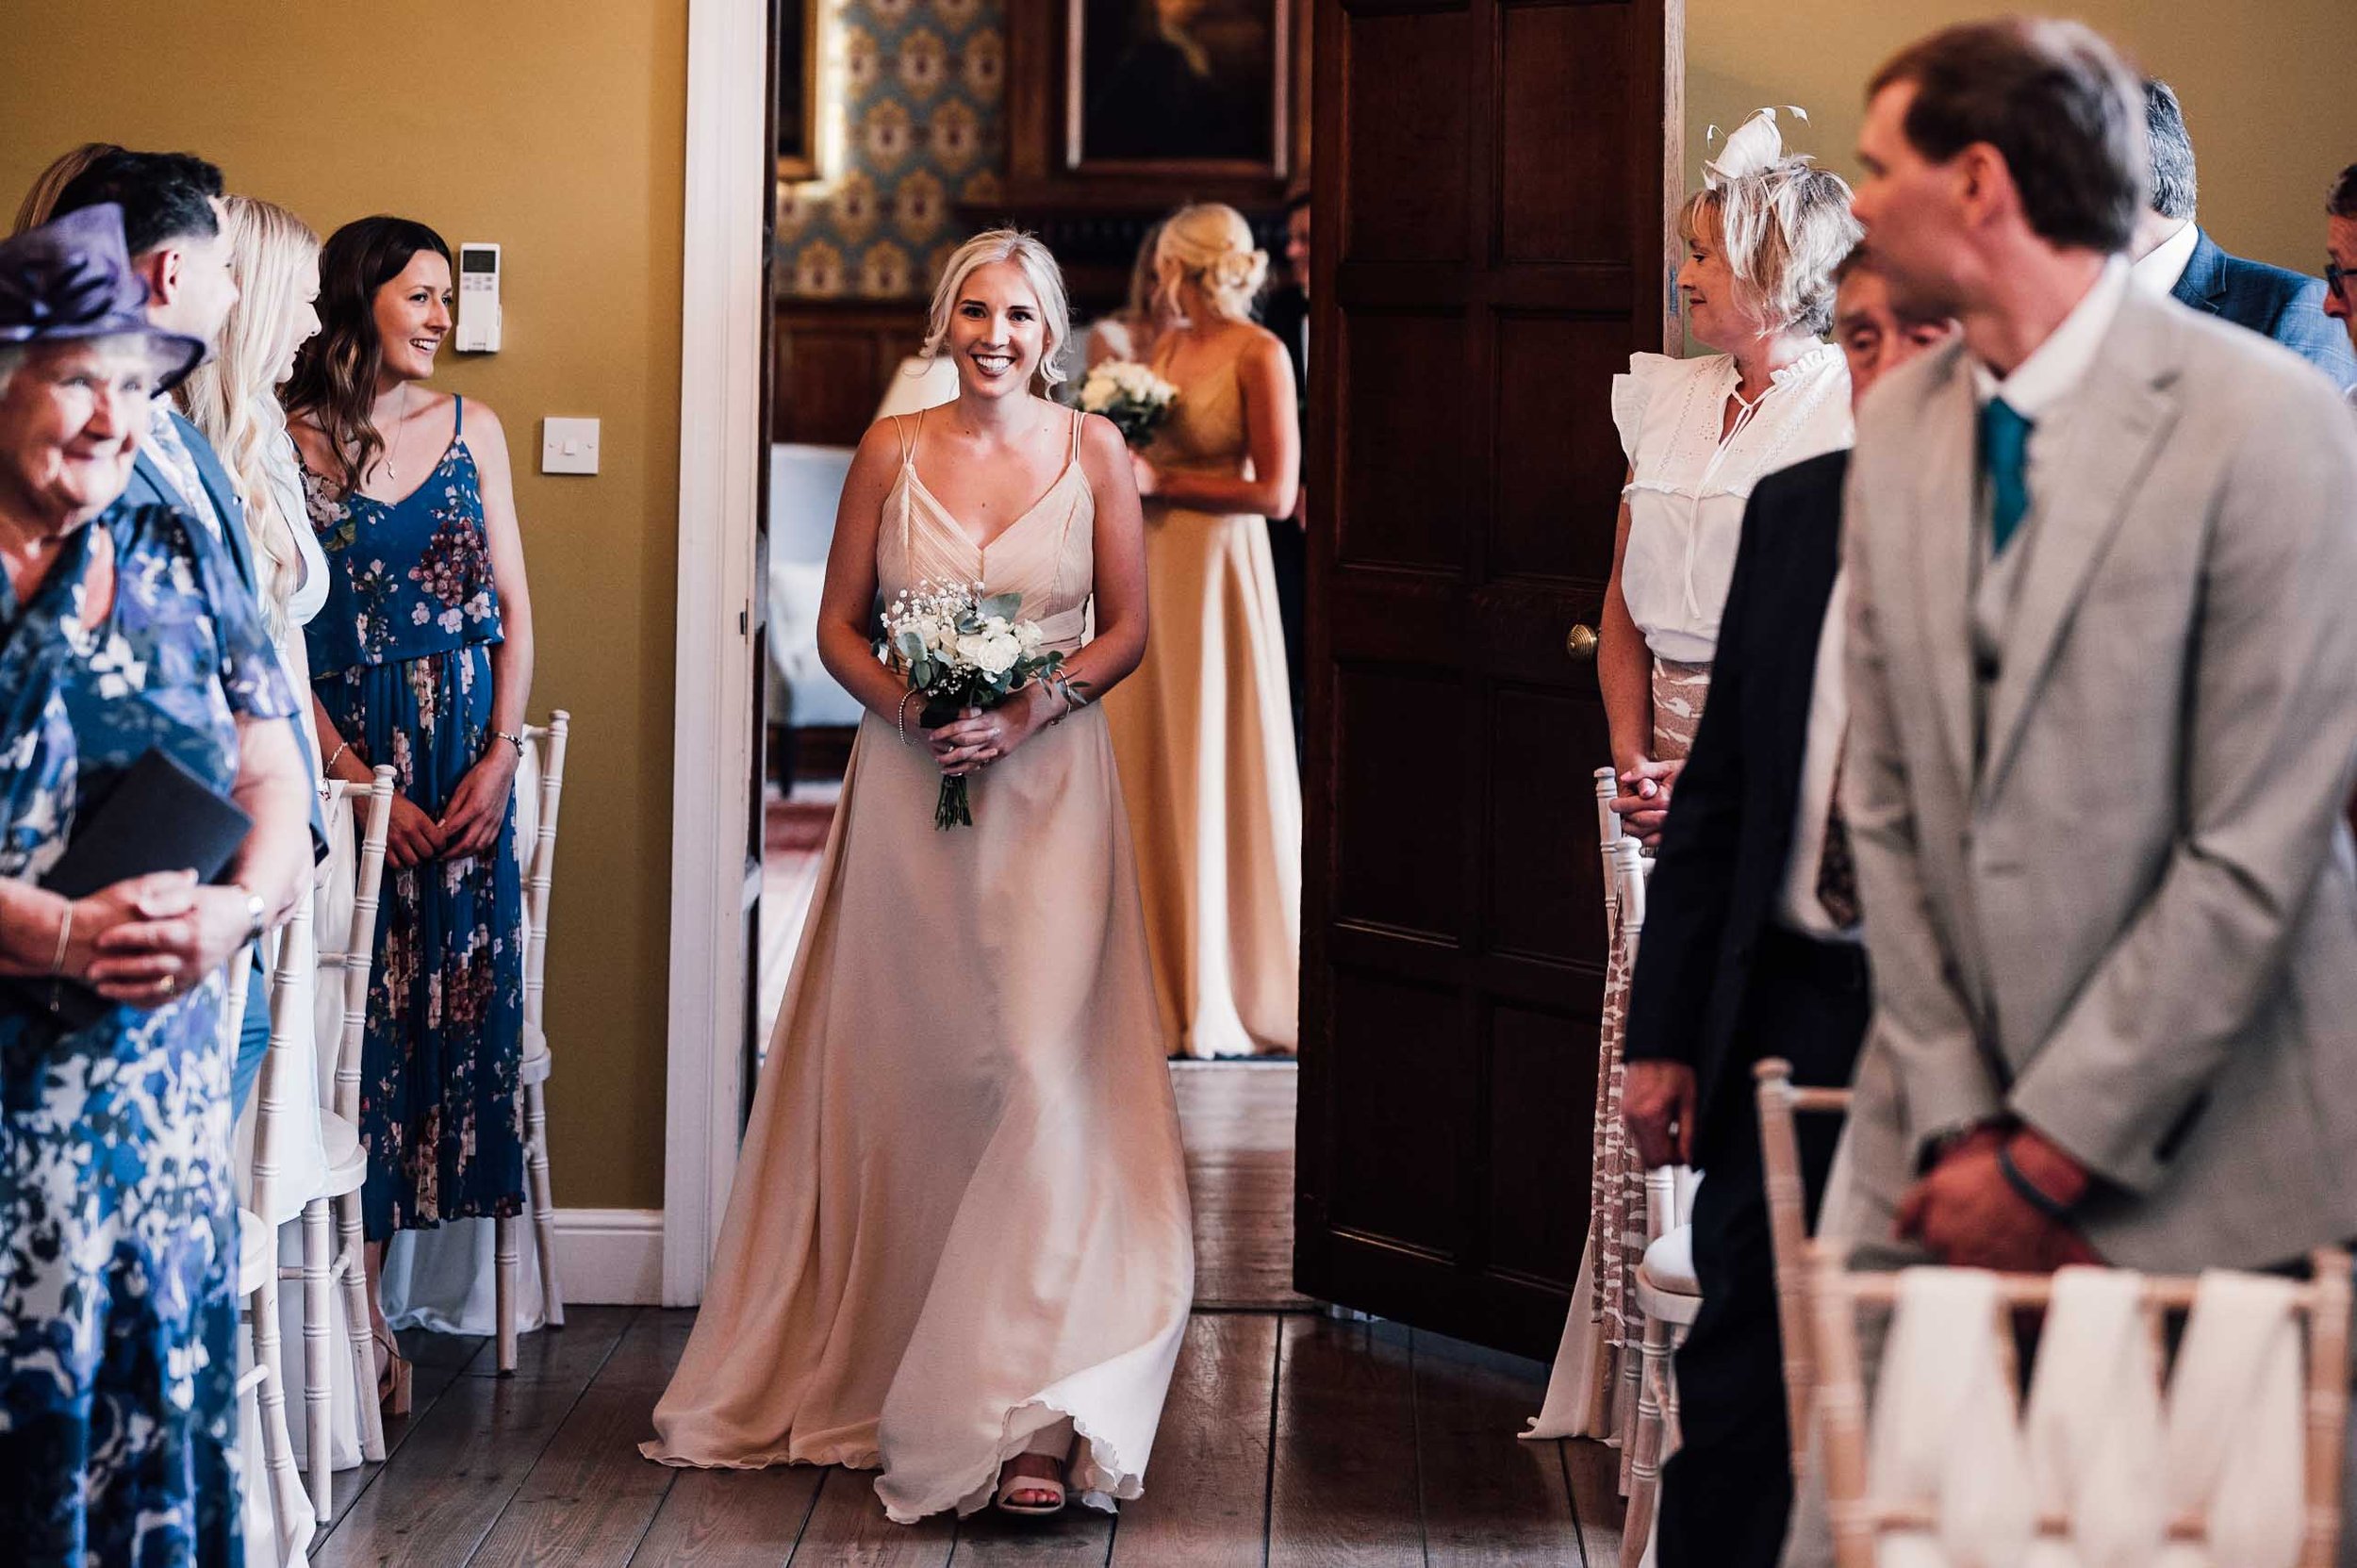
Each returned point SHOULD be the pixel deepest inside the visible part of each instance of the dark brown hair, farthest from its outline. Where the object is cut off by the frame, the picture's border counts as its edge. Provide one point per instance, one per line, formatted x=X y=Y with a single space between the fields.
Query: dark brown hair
x=2056 y=102
x=2341 y=200
x=335 y=377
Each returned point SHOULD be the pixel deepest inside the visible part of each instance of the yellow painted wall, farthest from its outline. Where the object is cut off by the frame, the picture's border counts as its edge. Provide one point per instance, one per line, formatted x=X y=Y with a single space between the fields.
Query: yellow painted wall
x=2266 y=87
x=558 y=131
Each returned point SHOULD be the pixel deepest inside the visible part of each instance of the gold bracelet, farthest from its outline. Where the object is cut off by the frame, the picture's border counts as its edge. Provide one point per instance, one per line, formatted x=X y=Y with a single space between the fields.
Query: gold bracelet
x=65 y=939
x=327 y=769
x=903 y=714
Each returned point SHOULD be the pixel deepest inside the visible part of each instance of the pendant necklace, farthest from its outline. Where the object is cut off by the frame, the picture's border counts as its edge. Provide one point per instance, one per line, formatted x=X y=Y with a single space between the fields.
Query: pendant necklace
x=400 y=419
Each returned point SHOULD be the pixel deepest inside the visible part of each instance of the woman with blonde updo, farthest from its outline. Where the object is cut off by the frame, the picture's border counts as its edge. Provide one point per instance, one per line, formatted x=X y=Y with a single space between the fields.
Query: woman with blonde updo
x=1204 y=729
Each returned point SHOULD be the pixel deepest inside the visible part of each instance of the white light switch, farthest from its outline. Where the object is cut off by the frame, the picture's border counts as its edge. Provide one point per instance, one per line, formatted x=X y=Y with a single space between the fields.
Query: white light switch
x=569 y=446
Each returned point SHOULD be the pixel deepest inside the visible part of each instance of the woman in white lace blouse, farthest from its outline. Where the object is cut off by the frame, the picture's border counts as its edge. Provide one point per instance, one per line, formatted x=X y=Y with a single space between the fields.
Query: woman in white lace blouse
x=1763 y=238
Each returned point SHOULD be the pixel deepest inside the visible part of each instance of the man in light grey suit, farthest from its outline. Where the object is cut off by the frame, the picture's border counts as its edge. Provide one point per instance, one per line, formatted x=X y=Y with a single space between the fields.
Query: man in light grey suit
x=2104 y=711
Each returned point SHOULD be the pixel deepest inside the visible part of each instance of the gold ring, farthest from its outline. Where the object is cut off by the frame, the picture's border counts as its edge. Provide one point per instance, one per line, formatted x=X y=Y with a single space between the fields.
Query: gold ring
x=172 y=984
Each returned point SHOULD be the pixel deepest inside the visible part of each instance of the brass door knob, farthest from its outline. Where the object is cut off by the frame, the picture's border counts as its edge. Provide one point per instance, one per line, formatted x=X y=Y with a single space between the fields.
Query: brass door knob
x=1580 y=642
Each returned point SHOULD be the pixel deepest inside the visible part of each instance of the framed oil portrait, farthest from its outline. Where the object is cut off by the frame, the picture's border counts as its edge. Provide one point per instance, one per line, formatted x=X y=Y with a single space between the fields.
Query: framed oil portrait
x=1178 y=87
x=794 y=73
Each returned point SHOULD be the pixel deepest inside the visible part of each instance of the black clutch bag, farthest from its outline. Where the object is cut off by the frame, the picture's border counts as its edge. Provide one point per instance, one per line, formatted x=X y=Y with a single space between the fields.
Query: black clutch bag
x=157 y=816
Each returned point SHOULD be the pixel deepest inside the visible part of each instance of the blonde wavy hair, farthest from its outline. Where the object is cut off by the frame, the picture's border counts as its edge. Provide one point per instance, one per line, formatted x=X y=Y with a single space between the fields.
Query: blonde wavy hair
x=1039 y=270
x=233 y=397
x=1783 y=228
x=1210 y=245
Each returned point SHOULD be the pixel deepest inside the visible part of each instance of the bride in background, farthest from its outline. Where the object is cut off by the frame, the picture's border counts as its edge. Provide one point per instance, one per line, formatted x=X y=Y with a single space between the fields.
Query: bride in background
x=959 y=1231
x=1204 y=729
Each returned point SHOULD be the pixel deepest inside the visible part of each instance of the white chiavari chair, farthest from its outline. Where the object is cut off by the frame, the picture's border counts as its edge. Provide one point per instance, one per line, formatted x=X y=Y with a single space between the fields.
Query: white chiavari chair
x=262 y=1388
x=1779 y=1099
x=1608 y=835
x=1860 y=1523
x=1668 y=1296
x=345 y=958
x=543 y=777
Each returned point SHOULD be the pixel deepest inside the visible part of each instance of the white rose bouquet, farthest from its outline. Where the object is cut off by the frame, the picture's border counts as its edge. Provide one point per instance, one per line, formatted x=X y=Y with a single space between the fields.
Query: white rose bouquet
x=1130 y=395
x=959 y=651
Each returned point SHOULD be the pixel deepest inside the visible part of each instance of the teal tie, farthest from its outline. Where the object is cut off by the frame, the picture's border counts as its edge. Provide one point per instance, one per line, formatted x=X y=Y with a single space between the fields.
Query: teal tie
x=2005 y=451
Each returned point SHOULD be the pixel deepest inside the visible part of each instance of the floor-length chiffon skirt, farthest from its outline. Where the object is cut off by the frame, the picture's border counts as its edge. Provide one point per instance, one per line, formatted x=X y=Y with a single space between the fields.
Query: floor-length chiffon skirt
x=961 y=1214
x=1203 y=731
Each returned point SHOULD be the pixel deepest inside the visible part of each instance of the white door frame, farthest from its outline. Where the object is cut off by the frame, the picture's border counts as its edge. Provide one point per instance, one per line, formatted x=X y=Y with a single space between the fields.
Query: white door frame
x=729 y=176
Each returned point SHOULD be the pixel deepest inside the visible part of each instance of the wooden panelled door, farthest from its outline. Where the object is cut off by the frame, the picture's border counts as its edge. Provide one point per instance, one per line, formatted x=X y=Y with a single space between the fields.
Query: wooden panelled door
x=1491 y=245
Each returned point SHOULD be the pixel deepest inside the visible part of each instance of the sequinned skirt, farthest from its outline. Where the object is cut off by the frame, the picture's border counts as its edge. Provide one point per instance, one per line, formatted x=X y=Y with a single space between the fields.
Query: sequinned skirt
x=1617 y=1218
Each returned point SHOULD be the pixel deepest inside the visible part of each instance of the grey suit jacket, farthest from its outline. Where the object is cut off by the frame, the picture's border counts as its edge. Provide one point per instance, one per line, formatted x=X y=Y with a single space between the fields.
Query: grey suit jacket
x=2134 y=923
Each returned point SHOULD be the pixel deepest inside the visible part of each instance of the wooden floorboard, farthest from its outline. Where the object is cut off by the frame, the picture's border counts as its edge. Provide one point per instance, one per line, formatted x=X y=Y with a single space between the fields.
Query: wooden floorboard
x=1289 y=1440
x=1489 y=1499
x=1343 y=1493
x=1594 y=1472
x=1206 y=1502
x=435 y=1367
x=730 y=1518
x=590 y=1497
x=847 y=1529
x=1078 y=1537
x=1236 y=1121
x=462 y=1460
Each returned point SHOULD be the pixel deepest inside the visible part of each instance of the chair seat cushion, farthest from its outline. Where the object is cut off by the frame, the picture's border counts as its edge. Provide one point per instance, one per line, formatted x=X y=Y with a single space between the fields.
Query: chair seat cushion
x=346 y=1162
x=257 y=1251
x=537 y=1063
x=1670 y=1263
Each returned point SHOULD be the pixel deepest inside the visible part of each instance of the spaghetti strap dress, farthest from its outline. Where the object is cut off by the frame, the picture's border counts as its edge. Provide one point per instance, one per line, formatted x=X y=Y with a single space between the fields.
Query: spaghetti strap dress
x=959 y=1229
x=401 y=657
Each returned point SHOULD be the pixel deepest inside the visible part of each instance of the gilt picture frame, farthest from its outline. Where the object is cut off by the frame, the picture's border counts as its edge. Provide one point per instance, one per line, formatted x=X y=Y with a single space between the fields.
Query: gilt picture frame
x=1198 y=88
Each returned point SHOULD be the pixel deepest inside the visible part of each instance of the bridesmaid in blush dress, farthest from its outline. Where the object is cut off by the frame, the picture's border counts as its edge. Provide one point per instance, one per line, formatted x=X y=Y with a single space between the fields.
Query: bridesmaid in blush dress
x=1205 y=732
x=958 y=1247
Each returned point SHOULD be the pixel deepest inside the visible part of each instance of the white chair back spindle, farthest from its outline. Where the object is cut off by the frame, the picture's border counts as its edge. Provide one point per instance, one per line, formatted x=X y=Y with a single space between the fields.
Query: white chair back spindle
x=1787 y=1233
x=540 y=868
x=542 y=777
x=358 y=953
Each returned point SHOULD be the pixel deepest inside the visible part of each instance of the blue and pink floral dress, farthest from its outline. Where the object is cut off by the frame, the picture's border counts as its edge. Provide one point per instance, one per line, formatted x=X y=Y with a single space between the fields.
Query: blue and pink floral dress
x=401 y=656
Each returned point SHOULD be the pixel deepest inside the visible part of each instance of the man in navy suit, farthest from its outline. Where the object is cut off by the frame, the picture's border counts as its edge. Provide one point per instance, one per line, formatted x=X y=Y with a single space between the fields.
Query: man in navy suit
x=2174 y=255
x=1752 y=950
x=173 y=225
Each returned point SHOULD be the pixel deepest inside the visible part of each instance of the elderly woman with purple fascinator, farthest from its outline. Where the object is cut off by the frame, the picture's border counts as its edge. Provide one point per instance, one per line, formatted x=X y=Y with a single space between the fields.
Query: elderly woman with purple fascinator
x=140 y=702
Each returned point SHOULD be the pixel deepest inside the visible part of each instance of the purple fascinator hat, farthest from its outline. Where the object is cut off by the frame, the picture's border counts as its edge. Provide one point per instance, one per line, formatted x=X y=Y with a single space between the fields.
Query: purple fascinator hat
x=72 y=279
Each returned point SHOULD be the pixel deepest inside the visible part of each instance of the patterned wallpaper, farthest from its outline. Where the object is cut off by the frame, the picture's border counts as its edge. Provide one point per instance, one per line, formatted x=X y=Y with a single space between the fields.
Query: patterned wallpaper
x=922 y=81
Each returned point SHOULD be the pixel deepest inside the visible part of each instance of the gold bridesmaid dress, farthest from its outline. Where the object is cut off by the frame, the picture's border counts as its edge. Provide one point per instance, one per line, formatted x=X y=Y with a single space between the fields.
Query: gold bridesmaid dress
x=1204 y=731
x=960 y=1217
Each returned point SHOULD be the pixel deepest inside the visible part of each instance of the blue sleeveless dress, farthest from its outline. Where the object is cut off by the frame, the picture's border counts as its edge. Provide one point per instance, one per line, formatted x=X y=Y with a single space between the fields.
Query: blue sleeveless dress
x=401 y=657
x=118 y=1219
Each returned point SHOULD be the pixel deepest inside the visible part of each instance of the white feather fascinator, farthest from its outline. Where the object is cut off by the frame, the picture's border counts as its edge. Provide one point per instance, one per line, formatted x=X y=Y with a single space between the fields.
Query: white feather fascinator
x=1754 y=146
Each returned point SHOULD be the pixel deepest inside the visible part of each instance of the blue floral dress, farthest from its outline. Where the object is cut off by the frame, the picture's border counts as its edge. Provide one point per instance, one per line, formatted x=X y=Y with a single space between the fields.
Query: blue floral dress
x=401 y=655
x=118 y=1220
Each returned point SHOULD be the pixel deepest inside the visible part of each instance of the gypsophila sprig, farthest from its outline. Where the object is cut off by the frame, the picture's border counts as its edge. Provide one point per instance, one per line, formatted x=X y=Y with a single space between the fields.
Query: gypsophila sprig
x=962 y=650
x=1130 y=395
